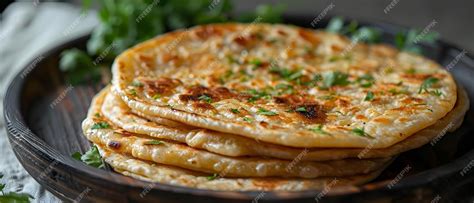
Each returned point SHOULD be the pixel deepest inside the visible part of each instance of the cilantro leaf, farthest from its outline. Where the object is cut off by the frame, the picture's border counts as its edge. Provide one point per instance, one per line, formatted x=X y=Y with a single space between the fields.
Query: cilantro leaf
x=366 y=80
x=213 y=176
x=361 y=132
x=369 y=97
x=235 y=111
x=320 y=130
x=408 y=40
x=100 y=125
x=13 y=197
x=335 y=78
x=427 y=83
x=205 y=98
x=153 y=142
x=91 y=157
x=265 y=112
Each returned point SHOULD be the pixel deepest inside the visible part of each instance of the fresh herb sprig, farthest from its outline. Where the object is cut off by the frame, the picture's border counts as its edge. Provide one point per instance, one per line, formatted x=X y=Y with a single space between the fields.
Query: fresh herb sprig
x=13 y=196
x=410 y=40
x=91 y=157
x=126 y=23
x=366 y=34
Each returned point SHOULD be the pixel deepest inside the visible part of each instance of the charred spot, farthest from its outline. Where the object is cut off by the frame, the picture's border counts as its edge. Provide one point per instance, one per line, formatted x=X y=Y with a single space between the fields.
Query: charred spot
x=216 y=94
x=416 y=76
x=206 y=32
x=309 y=36
x=289 y=99
x=114 y=144
x=162 y=86
x=247 y=41
x=204 y=106
x=313 y=113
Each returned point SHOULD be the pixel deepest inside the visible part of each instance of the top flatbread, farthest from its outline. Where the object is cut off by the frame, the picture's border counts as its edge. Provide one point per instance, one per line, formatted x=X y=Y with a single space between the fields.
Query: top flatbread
x=284 y=85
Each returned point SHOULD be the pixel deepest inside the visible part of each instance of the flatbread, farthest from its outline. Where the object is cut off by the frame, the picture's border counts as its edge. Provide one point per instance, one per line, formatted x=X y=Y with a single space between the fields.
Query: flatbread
x=264 y=82
x=232 y=145
x=165 y=174
x=99 y=131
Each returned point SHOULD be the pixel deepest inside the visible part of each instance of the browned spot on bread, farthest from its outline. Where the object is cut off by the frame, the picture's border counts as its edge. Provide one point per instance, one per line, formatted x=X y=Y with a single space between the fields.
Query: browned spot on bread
x=313 y=113
x=205 y=32
x=247 y=40
x=114 y=144
x=162 y=86
x=202 y=105
x=415 y=76
x=216 y=94
x=382 y=120
x=412 y=100
x=309 y=36
x=360 y=117
x=403 y=119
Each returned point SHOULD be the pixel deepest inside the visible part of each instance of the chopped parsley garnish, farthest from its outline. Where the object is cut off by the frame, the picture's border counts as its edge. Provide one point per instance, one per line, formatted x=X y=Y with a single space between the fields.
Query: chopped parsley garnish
x=368 y=34
x=231 y=60
x=319 y=129
x=283 y=89
x=97 y=115
x=287 y=74
x=369 y=96
x=410 y=71
x=100 y=125
x=91 y=157
x=301 y=109
x=213 y=177
x=409 y=40
x=256 y=63
x=205 y=98
x=436 y=93
x=236 y=111
x=247 y=119
x=153 y=142
x=361 y=132
x=256 y=95
x=13 y=197
x=428 y=83
x=226 y=76
x=133 y=92
x=395 y=91
x=338 y=57
x=335 y=78
x=326 y=97
x=137 y=83
x=265 y=112
x=366 y=81
x=156 y=96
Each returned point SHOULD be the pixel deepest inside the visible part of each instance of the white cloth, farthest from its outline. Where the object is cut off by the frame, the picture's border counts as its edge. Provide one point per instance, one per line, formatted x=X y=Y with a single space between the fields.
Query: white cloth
x=26 y=30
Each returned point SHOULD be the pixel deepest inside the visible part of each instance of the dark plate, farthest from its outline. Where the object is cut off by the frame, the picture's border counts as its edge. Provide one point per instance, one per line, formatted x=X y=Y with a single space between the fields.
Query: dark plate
x=44 y=114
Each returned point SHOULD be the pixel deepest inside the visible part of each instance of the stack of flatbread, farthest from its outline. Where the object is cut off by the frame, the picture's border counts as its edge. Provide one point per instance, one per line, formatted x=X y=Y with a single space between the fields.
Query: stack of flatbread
x=267 y=107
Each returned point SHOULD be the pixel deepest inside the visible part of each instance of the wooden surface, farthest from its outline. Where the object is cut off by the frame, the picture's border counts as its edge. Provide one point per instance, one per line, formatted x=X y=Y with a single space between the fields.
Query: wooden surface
x=44 y=114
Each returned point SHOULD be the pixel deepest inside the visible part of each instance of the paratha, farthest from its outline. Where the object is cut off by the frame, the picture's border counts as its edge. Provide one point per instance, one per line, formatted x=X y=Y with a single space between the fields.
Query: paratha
x=99 y=131
x=153 y=172
x=285 y=85
x=232 y=145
